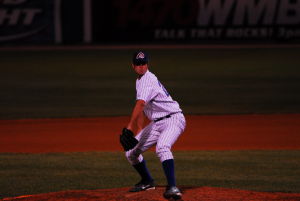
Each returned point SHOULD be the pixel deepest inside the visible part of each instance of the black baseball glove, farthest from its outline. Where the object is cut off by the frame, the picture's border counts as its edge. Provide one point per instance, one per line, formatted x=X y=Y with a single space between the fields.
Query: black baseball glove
x=127 y=139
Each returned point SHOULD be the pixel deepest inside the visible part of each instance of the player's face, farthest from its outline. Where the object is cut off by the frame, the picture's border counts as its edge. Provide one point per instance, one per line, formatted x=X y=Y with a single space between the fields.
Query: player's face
x=140 y=69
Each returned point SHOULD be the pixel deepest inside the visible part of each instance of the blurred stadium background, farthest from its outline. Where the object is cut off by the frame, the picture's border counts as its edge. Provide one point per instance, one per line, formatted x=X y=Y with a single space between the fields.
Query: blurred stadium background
x=62 y=59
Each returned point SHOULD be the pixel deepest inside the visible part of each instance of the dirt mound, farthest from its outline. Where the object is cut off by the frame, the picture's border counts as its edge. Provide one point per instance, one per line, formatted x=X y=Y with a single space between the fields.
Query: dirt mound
x=189 y=194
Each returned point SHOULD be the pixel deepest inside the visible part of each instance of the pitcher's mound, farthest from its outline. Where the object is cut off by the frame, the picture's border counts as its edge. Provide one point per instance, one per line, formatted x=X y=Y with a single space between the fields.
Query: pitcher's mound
x=189 y=194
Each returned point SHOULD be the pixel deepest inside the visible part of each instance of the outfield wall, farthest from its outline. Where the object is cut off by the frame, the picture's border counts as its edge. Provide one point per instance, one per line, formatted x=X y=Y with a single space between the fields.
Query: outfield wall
x=78 y=22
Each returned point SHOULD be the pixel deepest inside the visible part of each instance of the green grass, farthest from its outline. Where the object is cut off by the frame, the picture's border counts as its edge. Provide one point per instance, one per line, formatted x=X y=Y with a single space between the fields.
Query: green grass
x=87 y=83
x=253 y=170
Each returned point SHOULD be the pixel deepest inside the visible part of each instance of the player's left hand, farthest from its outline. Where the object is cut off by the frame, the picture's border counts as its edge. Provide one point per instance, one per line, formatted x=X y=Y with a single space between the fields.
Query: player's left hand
x=127 y=139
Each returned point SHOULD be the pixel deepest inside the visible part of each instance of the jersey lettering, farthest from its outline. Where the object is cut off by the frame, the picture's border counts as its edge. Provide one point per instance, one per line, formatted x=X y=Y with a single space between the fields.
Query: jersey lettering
x=163 y=88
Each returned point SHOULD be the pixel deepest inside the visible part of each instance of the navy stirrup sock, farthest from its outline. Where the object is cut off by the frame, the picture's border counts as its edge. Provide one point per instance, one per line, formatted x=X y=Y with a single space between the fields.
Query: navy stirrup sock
x=142 y=169
x=168 y=166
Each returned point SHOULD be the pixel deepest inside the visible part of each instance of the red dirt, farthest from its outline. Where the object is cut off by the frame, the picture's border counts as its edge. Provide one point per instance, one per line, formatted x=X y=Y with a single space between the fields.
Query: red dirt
x=228 y=132
x=189 y=194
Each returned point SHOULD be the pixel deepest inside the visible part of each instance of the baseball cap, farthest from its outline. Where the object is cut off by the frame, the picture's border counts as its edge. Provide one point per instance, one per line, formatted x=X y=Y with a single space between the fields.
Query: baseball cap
x=140 y=58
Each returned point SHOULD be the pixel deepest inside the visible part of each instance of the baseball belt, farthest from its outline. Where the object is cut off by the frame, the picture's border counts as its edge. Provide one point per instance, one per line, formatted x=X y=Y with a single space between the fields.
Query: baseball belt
x=165 y=117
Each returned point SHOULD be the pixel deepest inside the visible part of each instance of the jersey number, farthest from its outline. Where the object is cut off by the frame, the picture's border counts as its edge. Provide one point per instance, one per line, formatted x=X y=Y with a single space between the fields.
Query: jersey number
x=163 y=88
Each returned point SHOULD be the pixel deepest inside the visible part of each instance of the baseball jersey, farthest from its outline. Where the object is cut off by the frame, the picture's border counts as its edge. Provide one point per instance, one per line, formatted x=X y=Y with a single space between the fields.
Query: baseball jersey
x=158 y=101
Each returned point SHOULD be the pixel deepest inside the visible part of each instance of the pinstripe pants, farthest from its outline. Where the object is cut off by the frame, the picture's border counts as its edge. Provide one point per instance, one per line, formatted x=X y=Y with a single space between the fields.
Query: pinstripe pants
x=163 y=134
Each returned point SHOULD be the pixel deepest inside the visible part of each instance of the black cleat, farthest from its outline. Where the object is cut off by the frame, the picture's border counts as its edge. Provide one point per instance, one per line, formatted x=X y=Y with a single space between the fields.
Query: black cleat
x=172 y=192
x=143 y=186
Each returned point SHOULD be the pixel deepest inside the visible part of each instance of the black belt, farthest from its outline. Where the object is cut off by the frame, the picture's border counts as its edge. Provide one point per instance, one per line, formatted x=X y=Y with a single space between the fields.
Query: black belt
x=165 y=117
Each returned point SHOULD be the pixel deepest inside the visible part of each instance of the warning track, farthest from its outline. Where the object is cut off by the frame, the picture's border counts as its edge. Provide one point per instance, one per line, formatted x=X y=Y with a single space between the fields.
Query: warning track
x=226 y=132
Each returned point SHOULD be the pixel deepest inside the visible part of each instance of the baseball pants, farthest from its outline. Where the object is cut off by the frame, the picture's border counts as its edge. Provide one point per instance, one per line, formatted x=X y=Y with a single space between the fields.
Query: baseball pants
x=163 y=134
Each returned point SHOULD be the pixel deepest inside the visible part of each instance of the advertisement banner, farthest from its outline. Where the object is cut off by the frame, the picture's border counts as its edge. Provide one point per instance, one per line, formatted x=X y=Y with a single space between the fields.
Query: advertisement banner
x=44 y=22
x=192 y=21
x=28 y=22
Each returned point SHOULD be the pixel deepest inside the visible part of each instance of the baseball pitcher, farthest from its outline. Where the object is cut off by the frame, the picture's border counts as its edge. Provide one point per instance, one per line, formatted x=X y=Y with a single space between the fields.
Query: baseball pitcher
x=167 y=124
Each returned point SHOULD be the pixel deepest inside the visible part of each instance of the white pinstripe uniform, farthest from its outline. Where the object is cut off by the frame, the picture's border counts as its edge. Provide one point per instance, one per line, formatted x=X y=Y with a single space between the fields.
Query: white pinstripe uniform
x=164 y=132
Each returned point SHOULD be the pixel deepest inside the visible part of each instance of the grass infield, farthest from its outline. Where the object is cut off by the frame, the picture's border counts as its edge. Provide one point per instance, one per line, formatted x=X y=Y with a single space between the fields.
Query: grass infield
x=273 y=171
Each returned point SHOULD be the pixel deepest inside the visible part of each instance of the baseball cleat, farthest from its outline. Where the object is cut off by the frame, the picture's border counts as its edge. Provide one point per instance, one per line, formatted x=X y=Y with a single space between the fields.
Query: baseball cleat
x=172 y=192
x=143 y=186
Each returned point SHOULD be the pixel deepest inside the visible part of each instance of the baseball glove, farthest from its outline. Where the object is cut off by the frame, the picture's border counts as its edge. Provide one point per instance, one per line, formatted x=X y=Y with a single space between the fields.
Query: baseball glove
x=127 y=139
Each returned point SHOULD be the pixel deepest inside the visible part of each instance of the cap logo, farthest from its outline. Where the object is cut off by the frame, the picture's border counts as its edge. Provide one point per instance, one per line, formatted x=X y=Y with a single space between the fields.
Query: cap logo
x=140 y=55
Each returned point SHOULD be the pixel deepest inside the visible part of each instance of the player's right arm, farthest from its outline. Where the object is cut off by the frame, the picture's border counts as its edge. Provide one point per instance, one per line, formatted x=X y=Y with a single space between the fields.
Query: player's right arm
x=137 y=117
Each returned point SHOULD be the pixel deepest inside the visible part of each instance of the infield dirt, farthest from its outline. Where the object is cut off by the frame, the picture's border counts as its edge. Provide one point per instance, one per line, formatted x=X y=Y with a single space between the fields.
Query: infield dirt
x=229 y=132
x=226 y=132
